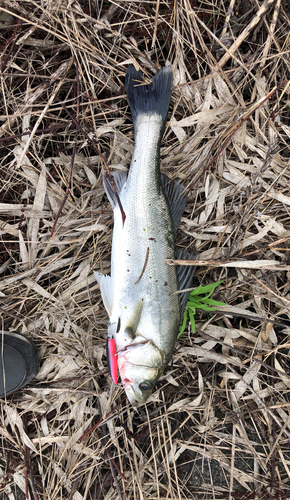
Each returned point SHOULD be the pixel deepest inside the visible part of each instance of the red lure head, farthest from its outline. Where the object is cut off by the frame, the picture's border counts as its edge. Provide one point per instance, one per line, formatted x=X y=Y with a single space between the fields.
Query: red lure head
x=112 y=359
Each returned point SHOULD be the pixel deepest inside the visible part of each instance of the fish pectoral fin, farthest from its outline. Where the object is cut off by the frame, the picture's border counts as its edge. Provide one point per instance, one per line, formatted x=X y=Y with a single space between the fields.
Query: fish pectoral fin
x=120 y=179
x=184 y=277
x=176 y=197
x=133 y=320
x=130 y=332
x=106 y=287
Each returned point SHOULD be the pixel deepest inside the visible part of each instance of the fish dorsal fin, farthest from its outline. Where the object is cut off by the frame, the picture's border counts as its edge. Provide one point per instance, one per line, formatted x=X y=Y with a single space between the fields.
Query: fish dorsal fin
x=120 y=179
x=184 y=277
x=176 y=198
x=106 y=287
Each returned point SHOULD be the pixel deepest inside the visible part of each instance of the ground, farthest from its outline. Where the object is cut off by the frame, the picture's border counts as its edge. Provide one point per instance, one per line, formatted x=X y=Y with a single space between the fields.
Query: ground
x=218 y=424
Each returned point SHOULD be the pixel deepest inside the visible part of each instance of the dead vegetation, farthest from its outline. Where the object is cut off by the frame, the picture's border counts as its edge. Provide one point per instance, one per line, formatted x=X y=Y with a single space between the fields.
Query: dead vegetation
x=218 y=425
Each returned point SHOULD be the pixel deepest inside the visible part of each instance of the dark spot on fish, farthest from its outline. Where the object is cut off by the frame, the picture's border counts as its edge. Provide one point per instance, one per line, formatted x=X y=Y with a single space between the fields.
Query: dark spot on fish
x=165 y=284
x=150 y=277
x=152 y=239
x=128 y=271
x=156 y=281
x=129 y=255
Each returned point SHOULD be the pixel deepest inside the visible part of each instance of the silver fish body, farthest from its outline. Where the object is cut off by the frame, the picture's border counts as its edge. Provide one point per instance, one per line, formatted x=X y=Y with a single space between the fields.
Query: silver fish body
x=140 y=295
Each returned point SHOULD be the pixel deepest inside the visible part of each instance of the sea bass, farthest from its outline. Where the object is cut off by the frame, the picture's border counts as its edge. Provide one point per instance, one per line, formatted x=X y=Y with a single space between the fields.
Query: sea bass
x=139 y=296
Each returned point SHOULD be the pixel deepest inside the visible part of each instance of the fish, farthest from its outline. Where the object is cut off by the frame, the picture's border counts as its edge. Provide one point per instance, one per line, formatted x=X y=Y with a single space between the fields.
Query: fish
x=140 y=294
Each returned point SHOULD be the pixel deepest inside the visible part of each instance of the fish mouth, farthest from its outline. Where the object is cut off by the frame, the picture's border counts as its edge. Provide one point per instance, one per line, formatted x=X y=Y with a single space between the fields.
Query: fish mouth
x=134 y=384
x=132 y=396
x=129 y=389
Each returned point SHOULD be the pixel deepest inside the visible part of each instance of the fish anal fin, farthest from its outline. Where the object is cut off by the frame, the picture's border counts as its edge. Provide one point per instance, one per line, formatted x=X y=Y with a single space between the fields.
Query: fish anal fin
x=106 y=287
x=176 y=198
x=184 y=277
x=120 y=179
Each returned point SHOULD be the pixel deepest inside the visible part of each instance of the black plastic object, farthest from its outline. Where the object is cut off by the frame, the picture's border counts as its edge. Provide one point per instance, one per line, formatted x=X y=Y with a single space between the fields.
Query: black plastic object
x=19 y=362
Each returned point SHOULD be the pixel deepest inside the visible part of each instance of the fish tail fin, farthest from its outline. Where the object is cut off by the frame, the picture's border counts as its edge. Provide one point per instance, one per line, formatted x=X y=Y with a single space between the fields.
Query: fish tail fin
x=147 y=99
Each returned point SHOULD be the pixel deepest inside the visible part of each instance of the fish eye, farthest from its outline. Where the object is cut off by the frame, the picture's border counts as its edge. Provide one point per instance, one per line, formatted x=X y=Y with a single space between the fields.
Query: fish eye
x=145 y=386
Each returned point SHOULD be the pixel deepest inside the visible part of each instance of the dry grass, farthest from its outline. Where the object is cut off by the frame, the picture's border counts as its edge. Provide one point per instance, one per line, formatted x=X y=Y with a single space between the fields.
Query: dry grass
x=218 y=425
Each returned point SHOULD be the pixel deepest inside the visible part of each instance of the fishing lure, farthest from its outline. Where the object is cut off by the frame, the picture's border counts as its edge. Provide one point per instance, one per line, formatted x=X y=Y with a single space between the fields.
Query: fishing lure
x=112 y=353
